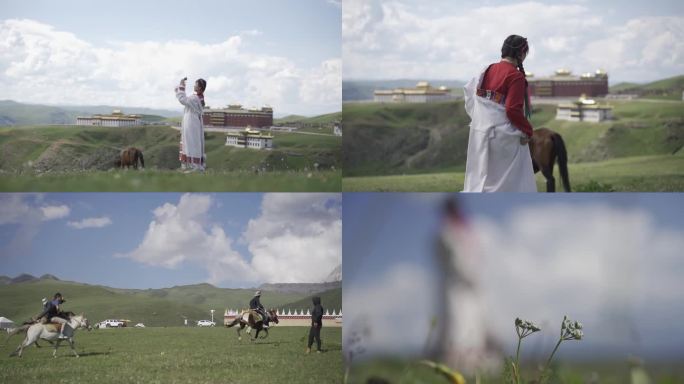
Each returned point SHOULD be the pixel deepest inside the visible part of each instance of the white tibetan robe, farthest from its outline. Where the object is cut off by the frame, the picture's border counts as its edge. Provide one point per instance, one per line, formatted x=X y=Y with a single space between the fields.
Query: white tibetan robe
x=496 y=161
x=192 y=132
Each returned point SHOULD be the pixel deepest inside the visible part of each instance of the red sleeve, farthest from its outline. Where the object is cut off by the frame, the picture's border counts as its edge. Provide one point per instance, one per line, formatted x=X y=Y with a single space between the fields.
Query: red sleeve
x=515 y=105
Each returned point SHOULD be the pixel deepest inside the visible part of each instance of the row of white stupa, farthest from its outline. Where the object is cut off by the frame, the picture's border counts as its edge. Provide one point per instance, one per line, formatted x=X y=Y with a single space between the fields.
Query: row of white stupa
x=289 y=313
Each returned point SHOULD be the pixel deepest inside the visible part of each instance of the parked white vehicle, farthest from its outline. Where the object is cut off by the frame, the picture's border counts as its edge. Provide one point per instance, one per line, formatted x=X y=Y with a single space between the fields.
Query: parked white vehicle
x=140 y=325
x=206 y=323
x=112 y=324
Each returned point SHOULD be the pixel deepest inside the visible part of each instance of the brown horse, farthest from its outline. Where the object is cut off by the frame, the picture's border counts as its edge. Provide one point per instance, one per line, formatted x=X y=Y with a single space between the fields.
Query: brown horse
x=130 y=158
x=253 y=320
x=546 y=146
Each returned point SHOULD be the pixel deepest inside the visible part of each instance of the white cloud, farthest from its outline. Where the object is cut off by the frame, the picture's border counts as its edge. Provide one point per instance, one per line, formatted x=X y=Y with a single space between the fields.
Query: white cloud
x=591 y=262
x=91 y=222
x=52 y=212
x=28 y=212
x=400 y=39
x=296 y=238
x=13 y=208
x=182 y=233
x=39 y=63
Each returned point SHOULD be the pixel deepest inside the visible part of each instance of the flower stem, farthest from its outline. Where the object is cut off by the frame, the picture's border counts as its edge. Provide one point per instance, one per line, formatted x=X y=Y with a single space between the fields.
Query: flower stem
x=517 y=362
x=548 y=362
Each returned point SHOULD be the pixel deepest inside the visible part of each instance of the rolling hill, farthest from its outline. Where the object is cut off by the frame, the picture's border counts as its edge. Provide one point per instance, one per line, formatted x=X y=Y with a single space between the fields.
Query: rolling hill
x=14 y=113
x=328 y=118
x=384 y=139
x=330 y=299
x=153 y=307
x=670 y=88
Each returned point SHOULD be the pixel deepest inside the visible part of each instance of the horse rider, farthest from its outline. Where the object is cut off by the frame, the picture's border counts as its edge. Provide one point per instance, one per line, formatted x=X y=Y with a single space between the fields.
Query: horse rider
x=53 y=313
x=255 y=304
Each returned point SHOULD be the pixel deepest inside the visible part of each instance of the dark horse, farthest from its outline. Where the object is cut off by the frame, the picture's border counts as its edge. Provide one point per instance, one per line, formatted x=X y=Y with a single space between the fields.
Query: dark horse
x=250 y=318
x=547 y=146
x=130 y=158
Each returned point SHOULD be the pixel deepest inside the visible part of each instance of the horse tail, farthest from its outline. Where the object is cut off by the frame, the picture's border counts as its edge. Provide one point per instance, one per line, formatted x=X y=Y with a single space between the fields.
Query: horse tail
x=562 y=155
x=237 y=320
x=142 y=159
x=17 y=330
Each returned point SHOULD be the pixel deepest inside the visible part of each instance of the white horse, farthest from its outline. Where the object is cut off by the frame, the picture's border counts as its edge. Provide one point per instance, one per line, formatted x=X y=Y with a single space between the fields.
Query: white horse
x=50 y=332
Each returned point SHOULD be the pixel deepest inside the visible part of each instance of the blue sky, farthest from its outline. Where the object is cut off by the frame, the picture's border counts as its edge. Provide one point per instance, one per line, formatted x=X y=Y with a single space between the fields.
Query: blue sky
x=614 y=256
x=289 y=50
x=224 y=239
x=633 y=41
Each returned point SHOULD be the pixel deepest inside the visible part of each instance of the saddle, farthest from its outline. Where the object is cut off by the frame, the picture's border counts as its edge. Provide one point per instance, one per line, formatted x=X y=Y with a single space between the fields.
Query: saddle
x=54 y=327
x=256 y=316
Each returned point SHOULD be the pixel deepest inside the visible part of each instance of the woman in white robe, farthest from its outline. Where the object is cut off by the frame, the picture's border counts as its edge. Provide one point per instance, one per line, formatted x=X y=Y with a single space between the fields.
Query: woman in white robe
x=192 y=155
x=499 y=158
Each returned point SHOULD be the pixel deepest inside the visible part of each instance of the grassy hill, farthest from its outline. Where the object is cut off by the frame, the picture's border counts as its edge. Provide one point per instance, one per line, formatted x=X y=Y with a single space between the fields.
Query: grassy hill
x=383 y=139
x=400 y=138
x=154 y=307
x=68 y=148
x=670 y=88
x=331 y=300
x=317 y=124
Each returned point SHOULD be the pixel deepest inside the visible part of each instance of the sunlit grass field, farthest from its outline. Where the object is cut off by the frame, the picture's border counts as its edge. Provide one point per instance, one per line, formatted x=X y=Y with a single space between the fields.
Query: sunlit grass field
x=179 y=355
x=167 y=180
x=660 y=173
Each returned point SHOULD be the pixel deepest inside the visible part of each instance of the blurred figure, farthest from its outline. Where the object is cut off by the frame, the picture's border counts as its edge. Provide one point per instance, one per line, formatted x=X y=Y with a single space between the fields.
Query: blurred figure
x=462 y=340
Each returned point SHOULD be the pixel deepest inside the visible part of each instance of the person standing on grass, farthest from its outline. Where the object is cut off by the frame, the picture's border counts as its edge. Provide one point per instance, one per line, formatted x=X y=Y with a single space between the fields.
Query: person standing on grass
x=497 y=102
x=316 y=324
x=192 y=156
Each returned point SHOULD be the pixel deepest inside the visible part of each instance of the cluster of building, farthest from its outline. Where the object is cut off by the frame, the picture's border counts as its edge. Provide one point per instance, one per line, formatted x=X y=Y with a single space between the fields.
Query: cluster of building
x=564 y=84
x=294 y=318
x=422 y=93
x=249 y=138
x=115 y=119
x=234 y=116
x=584 y=110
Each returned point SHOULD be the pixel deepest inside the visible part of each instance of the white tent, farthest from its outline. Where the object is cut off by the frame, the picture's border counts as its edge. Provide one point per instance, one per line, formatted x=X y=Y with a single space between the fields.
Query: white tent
x=6 y=323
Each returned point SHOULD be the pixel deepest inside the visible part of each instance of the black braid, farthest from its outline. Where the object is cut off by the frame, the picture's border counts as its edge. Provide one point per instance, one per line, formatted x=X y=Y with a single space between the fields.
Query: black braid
x=516 y=46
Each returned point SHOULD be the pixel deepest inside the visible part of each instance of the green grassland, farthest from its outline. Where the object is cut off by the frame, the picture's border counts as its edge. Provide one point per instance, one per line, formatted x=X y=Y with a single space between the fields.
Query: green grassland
x=166 y=181
x=153 y=307
x=76 y=158
x=631 y=174
x=423 y=147
x=179 y=355
x=608 y=372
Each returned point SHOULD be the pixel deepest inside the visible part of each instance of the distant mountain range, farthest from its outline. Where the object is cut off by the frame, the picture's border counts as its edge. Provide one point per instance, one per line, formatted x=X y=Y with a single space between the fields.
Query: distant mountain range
x=20 y=299
x=361 y=90
x=14 y=113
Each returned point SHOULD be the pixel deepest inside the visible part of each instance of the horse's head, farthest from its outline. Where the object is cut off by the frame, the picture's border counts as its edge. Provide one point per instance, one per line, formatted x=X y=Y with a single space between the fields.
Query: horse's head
x=80 y=321
x=273 y=314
